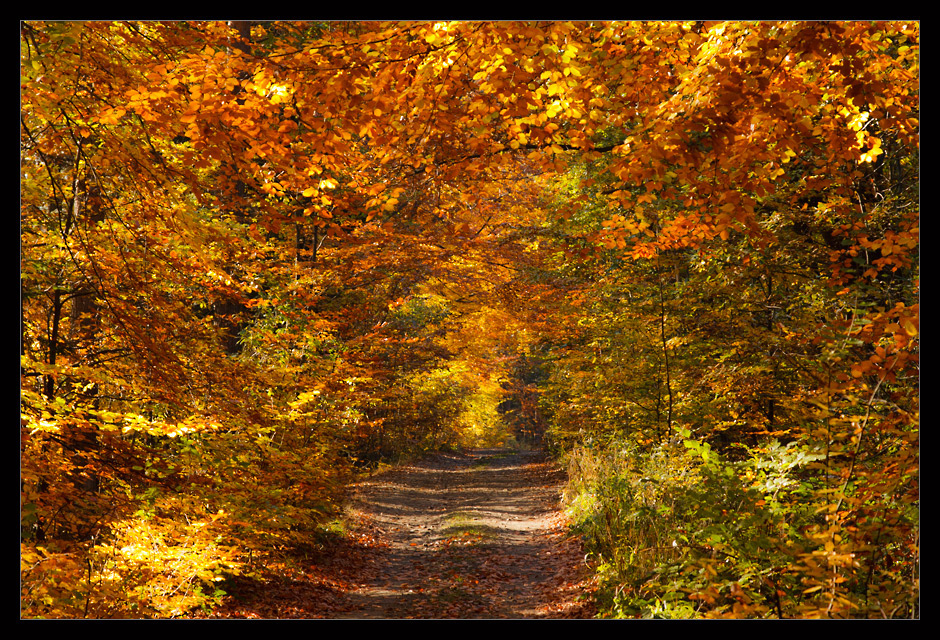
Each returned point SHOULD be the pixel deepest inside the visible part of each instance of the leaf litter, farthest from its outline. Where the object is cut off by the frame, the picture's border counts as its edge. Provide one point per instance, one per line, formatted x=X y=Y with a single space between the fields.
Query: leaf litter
x=479 y=534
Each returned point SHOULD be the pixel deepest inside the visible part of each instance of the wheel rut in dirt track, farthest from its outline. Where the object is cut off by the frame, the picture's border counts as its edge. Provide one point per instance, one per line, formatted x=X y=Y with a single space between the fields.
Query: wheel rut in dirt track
x=476 y=535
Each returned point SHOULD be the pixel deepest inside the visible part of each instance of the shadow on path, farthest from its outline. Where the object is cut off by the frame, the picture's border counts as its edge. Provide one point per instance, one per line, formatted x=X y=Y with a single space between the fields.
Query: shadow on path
x=477 y=535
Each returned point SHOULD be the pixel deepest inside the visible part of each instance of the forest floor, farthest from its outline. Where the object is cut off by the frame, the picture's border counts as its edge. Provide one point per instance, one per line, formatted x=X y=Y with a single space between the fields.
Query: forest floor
x=472 y=535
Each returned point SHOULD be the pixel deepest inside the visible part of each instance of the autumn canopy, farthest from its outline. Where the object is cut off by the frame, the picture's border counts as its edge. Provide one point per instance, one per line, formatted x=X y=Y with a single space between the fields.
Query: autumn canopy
x=258 y=258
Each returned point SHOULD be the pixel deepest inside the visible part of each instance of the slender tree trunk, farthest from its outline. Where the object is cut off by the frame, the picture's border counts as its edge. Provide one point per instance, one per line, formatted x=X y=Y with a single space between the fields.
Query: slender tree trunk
x=662 y=333
x=768 y=305
x=53 y=351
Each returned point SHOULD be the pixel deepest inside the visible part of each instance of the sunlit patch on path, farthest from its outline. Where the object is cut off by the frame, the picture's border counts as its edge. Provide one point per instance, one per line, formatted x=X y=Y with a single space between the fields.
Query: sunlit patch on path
x=469 y=536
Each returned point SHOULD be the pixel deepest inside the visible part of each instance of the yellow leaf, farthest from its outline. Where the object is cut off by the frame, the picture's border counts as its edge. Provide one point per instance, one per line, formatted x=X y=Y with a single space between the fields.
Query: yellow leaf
x=909 y=327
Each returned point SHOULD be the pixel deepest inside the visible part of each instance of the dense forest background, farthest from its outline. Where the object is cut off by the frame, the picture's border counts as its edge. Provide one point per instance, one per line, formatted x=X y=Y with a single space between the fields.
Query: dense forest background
x=259 y=258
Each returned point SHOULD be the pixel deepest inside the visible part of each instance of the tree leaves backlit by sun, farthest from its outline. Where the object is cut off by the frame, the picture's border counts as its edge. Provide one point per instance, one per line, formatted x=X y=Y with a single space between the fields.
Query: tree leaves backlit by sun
x=259 y=257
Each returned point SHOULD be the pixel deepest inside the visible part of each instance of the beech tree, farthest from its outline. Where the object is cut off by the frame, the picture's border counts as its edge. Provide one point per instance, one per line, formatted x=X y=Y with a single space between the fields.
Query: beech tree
x=258 y=256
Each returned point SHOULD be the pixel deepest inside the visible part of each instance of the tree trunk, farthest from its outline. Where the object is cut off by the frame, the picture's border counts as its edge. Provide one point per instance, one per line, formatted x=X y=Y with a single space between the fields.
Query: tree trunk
x=662 y=334
x=53 y=349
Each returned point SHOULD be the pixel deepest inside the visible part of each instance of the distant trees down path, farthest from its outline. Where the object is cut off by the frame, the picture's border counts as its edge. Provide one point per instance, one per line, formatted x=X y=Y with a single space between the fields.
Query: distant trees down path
x=259 y=257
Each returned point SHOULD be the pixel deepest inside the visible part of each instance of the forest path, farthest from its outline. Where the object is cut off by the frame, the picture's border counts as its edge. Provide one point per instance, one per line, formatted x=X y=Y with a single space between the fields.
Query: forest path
x=458 y=536
x=477 y=535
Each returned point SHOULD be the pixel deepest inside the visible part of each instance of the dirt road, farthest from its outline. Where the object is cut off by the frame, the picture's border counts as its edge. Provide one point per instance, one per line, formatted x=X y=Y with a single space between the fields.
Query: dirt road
x=478 y=535
x=475 y=535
